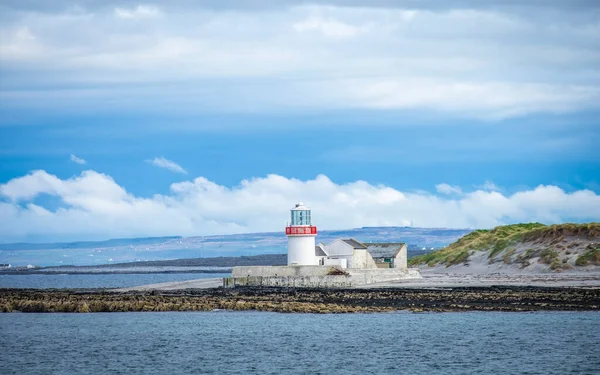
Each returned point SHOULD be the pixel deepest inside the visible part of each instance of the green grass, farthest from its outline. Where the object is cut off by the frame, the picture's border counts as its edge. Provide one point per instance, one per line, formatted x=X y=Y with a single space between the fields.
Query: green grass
x=501 y=238
x=549 y=256
x=591 y=256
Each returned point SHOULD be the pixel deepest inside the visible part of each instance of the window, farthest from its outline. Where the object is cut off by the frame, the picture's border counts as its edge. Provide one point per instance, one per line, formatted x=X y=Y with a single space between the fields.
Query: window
x=301 y=217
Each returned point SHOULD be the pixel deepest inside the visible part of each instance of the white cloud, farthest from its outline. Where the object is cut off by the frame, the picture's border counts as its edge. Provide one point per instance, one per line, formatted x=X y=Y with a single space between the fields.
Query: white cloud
x=490 y=186
x=19 y=44
x=167 y=164
x=141 y=11
x=77 y=159
x=489 y=99
x=73 y=191
x=448 y=189
x=95 y=206
x=24 y=34
x=489 y=62
x=329 y=27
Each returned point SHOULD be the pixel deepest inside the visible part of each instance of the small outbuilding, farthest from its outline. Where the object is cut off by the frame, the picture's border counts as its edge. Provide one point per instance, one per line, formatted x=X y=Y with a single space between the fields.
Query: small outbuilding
x=350 y=253
x=388 y=254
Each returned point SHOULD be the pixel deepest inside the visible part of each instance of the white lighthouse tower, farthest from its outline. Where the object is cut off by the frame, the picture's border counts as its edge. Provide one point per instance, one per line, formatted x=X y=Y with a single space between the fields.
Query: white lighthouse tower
x=301 y=238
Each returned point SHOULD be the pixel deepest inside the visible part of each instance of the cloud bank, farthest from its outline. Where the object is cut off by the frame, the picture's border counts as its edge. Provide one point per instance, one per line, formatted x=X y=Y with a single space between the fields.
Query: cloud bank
x=94 y=206
x=491 y=59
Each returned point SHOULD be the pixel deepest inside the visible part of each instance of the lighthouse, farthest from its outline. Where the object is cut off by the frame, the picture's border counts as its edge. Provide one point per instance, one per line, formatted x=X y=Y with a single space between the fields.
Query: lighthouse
x=301 y=237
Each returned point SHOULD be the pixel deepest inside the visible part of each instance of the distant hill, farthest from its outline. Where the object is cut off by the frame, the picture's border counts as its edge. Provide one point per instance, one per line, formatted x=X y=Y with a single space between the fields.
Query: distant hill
x=532 y=246
x=253 y=260
x=94 y=253
x=87 y=244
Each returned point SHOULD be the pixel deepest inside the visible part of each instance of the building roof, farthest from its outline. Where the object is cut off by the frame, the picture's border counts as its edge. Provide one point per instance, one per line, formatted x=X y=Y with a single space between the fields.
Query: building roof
x=354 y=243
x=300 y=207
x=319 y=251
x=384 y=250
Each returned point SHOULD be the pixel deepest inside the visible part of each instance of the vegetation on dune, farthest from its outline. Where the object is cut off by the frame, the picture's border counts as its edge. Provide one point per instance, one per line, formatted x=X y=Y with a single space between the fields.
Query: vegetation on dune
x=502 y=240
x=556 y=232
x=590 y=257
x=482 y=239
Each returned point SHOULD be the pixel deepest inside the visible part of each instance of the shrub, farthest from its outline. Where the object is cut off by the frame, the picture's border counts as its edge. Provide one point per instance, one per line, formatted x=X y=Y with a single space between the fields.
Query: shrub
x=529 y=253
x=591 y=256
x=459 y=258
x=498 y=247
x=556 y=265
x=507 y=258
x=548 y=256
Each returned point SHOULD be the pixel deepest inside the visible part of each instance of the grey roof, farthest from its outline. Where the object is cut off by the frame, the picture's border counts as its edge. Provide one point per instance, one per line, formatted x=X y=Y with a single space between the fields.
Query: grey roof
x=384 y=250
x=319 y=252
x=354 y=243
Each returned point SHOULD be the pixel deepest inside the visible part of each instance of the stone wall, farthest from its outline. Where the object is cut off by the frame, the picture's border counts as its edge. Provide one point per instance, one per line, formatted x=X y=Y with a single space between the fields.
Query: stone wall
x=310 y=277
x=286 y=271
x=337 y=281
x=362 y=259
x=378 y=275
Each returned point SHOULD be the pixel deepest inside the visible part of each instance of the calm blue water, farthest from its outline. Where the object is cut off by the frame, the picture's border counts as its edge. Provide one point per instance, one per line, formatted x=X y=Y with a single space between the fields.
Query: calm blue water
x=98 y=281
x=271 y=343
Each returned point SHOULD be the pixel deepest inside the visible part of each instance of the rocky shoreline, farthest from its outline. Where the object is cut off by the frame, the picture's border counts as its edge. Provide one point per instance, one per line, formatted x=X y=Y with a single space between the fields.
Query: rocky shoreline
x=494 y=298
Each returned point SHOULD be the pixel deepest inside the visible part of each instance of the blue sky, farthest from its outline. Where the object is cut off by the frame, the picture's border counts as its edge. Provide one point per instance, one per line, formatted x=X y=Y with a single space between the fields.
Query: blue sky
x=407 y=156
x=412 y=110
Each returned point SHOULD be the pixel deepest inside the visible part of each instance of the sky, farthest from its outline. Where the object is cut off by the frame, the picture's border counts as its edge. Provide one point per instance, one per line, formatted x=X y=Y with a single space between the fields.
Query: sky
x=127 y=118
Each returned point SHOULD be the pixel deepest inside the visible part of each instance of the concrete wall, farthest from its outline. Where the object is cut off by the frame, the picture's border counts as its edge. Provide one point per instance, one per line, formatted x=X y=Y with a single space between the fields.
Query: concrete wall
x=355 y=277
x=343 y=263
x=271 y=271
x=401 y=260
x=338 y=249
x=362 y=259
x=346 y=258
x=378 y=275
x=338 y=281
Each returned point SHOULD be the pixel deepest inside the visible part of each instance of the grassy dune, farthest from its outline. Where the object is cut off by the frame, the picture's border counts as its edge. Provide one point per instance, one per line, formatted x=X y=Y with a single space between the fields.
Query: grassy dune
x=554 y=245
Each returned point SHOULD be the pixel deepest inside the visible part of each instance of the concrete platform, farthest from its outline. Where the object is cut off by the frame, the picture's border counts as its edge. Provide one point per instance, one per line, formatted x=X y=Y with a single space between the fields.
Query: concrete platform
x=428 y=281
x=315 y=276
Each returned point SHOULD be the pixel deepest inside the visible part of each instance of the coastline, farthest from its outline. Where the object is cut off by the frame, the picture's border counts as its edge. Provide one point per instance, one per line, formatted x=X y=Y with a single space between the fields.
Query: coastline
x=297 y=300
x=131 y=271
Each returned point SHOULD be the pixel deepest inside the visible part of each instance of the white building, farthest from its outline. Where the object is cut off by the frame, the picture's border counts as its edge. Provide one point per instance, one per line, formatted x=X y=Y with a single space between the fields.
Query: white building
x=310 y=266
x=349 y=253
x=345 y=253
x=301 y=237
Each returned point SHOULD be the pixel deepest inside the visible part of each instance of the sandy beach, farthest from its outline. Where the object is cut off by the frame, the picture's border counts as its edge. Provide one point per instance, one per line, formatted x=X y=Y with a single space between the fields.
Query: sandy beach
x=439 y=277
x=436 y=278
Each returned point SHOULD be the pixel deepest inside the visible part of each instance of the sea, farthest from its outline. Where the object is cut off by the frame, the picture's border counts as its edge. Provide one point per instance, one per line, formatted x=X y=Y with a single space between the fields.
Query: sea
x=58 y=281
x=222 y=342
